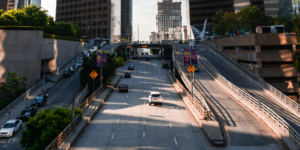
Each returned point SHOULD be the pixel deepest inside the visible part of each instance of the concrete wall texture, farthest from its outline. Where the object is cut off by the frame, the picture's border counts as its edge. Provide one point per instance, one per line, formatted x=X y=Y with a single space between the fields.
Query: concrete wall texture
x=271 y=57
x=23 y=51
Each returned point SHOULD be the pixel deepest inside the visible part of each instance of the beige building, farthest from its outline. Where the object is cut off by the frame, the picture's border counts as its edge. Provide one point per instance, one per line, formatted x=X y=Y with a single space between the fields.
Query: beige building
x=270 y=56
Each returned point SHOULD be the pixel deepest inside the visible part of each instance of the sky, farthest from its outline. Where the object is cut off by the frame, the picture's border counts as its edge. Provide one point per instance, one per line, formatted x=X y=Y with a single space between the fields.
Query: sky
x=143 y=12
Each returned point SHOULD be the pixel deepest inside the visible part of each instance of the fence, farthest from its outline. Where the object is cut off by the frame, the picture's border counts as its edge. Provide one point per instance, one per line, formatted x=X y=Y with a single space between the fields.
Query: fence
x=81 y=96
x=20 y=99
x=61 y=137
x=204 y=110
x=281 y=122
x=253 y=76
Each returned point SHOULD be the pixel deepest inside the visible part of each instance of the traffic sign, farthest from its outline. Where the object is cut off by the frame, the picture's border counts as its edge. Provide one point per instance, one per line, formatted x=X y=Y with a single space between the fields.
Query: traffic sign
x=126 y=53
x=94 y=74
x=191 y=69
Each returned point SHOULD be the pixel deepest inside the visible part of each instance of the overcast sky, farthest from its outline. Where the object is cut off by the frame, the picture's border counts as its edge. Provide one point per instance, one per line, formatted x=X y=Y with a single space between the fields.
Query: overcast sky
x=144 y=12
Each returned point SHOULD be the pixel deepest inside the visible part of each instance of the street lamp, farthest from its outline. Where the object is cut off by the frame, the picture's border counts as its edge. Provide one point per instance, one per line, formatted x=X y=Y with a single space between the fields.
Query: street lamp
x=74 y=84
x=45 y=68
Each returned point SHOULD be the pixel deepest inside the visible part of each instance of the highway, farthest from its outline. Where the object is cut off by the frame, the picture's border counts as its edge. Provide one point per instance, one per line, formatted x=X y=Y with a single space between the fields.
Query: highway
x=60 y=96
x=126 y=121
x=245 y=129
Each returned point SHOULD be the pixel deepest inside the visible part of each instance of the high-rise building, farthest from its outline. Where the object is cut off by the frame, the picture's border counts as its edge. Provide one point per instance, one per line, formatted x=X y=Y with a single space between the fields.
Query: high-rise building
x=168 y=18
x=101 y=18
x=287 y=8
x=126 y=19
x=17 y=4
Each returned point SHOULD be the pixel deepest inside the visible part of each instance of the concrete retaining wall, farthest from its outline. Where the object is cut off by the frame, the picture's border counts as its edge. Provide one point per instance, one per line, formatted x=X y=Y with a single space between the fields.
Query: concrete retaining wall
x=23 y=51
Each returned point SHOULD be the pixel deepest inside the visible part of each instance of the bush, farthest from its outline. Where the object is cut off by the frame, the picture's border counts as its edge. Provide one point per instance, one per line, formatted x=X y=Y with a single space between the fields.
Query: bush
x=42 y=129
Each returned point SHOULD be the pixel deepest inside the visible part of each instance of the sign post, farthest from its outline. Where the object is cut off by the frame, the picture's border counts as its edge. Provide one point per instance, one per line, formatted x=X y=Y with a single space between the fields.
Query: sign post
x=93 y=75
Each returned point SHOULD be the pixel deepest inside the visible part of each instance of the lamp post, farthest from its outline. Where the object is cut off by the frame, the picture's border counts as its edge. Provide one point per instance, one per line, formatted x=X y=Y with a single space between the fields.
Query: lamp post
x=74 y=84
x=45 y=68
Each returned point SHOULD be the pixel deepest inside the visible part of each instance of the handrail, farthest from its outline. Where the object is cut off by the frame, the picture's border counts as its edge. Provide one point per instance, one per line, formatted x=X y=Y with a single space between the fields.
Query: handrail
x=253 y=76
x=203 y=63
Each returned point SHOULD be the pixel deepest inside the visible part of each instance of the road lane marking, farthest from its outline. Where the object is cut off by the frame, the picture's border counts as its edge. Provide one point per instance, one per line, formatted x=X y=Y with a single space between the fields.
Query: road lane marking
x=175 y=140
x=143 y=134
x=167 y=114
x=144 y=109
x=127 y=96
x=144 y=90
x=144 y=120
x=114 y=134
x=118 y=120
x=170 y=124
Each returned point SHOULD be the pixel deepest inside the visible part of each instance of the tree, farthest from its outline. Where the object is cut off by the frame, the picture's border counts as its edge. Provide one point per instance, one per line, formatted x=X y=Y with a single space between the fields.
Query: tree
x=12 y=88
x=151 y=51
x=296 y=22
x=220 y=25
x=232 y=22
x=249 y=16
x=280 y=21
x=42 y=129
x=88 y=65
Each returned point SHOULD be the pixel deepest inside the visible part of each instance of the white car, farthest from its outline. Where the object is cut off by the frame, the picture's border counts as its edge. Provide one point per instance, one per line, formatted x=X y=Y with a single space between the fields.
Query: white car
x=79 y=63
x=155 y=97
x=10 y=128
x=87 y=54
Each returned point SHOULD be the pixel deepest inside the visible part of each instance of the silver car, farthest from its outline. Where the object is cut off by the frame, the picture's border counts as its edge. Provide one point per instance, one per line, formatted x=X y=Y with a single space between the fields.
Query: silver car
x=79 y=63
x=10 y=128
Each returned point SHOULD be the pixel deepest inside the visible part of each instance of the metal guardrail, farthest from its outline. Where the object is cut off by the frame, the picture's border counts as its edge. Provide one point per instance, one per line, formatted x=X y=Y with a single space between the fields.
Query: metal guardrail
x=253 y=76
x=194 y=101
x=203 y=63
x=62 y=136
x=59 y=68
x=145 y=56
x=81 y=96
x=205 y=111
x=24 y=96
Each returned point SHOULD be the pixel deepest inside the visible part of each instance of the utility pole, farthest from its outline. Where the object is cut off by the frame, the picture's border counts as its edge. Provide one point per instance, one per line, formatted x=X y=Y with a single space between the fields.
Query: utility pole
x=138 y=33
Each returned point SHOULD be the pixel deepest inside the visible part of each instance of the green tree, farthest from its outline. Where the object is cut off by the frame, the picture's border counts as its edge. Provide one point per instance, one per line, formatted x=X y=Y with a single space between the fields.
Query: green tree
x=232 y=22
x=42 y=129
x=280 y=21
x=12 y=88
x=220 y=24
x=151 y=51
x=88 y=65
x=249 y=16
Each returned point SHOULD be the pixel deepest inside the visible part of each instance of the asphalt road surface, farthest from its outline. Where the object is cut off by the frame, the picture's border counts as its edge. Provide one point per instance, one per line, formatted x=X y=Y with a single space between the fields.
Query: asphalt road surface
x=126 y=121
x=245 y=129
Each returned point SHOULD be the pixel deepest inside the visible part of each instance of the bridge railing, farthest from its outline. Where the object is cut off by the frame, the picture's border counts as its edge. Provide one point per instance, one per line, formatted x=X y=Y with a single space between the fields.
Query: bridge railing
x=263 y=83
x=204 y=109
x=203 y=63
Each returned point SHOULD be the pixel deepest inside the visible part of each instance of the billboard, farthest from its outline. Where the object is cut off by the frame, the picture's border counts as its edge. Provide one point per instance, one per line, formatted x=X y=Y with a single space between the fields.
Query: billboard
x=194 y=56
x=186 y=57
x=102 y=58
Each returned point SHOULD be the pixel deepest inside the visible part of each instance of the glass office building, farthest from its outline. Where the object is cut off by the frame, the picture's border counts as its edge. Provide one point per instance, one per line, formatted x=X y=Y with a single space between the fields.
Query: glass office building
x=115 y=26
x=287 y=9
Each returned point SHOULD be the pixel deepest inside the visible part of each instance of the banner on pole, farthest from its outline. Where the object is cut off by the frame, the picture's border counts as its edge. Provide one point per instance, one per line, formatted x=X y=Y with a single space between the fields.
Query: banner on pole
x=102 y=58
x=99 y=59
x=186 y=55
x=194 y=56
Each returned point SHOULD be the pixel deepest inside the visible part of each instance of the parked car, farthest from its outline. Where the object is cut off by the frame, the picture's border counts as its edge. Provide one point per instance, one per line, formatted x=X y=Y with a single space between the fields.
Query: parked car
x=155 y=97
x=73 y=68
x=165 y=65
x=27 y=113
x=79 y=63
x=87 y=54
x=127 y=75
x=81 y=58
x=131 y=67
x=40 y=100
x=10 y=128
x=68 y=73
x=123 y=88
x=147 y=58
x=176 y=42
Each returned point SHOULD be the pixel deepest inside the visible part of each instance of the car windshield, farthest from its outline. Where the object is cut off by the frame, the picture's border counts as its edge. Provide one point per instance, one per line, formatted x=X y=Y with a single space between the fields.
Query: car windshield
x=40 y=97
x=9 y=125
x=67 y=70
x=155 y=95
x=79 y=61
x=123 y=85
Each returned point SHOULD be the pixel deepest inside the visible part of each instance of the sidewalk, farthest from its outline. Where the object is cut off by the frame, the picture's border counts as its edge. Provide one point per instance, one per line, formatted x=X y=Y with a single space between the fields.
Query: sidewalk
x=89 y=113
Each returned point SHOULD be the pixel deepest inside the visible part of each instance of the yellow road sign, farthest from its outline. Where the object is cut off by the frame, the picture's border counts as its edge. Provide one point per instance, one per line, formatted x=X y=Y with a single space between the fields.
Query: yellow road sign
x=94 y=74
x=191 y=69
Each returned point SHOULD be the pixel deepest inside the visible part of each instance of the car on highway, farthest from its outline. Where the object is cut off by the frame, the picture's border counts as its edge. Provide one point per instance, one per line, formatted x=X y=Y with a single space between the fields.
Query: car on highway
x=127 y=75
x=81 y=58
x=135 y=57
x=131 y=67
x=165 y=65
x=147 y=54
x=79 y=63
x=87 y=54
x=147 y=58
x=73 y=68
x=27 y=113
x=40 y=100
x=196 y=68
x=93 y=48
x=123 y=88
x=142 y=53
x=10 y=128
x=68 y=73
x=176 y=42
x=155 y=98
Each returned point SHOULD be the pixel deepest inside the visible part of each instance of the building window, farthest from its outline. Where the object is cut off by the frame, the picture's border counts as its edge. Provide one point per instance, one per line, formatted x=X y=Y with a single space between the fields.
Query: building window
x=104 y=22
x=80 y=5
x=71 y=13
x=99 y=32
x=94 y=24
x=104 y=15
x=58 y=8
x=89 y=10
x=62 y=8
x=71 y=6
x=67 y=1
x=94 y=3
x=104 y=8
x=99 y=9
x=67 y=7
x=99 y=23
x=75 y=12
x=84 y=11
x=63 y=1
x=99 y=2
x=99 y=16
x=90 y=3
x=75 y=6
x=66 y=13
x=62 y=14
x=57 y=14
x=70 y=19
x=84 y=4
x=79 y=18
x=94 y=9
x=94 y=17
x=84 y=18
x=79 y=24
x=89 y=17
x=66 y=19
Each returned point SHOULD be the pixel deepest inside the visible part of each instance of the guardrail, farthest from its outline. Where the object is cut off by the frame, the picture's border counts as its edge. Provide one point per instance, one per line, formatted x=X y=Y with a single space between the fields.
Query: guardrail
x=145 y=56
x=61 y=137
x=24 y=96
x=59 y=68
x=253 y=76
x=203 y=63
x=81 y=96
x=204 y=110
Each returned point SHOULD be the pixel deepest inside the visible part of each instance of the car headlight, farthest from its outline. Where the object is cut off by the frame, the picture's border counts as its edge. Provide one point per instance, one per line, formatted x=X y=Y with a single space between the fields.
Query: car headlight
x=10 y=132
